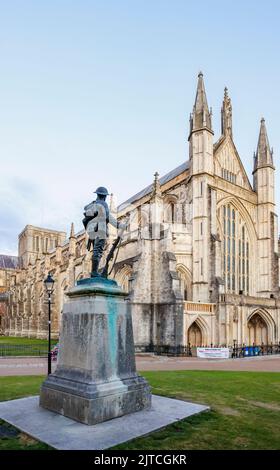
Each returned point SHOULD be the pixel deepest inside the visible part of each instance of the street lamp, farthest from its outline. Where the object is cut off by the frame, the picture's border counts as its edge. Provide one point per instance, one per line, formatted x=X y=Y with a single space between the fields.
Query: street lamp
x=49 y=282
x=234 y=348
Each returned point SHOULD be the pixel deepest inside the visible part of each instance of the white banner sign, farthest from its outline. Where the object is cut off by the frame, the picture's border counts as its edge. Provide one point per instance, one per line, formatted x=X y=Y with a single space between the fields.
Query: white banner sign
x=221 y=353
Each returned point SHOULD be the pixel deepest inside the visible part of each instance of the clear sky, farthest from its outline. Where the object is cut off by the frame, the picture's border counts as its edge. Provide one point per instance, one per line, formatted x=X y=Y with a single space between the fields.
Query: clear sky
x=99 y=93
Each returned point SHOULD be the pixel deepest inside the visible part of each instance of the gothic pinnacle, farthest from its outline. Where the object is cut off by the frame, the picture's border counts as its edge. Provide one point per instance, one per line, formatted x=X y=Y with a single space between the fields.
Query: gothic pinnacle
x=72 y=231
x=226 y=114
x=112 y=204
x=264 y=155
x=157 y=189
x=201 y=117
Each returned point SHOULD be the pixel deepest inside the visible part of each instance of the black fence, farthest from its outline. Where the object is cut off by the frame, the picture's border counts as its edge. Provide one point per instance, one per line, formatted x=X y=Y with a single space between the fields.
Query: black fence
x=164 y=350
x=236 y=351
x=7 y=349
x=255 y=350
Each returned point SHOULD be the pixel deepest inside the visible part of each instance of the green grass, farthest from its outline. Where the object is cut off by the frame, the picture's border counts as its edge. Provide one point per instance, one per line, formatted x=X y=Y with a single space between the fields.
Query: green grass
x=13 y=346
x=19 y=441
x=19 y=386
x=10 y=389
x=25 y=341
x=244 y=412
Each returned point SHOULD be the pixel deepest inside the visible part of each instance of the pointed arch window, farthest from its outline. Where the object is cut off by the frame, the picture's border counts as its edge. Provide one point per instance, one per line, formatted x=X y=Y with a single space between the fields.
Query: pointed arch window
x=236 y=251
x=172 y=209
x=228 y=175
x=170 y=212
x=184 y=283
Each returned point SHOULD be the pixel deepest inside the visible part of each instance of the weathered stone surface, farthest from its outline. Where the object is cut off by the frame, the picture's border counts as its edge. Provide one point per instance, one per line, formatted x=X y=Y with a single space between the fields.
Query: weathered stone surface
x=96 y=378
x=65 y=434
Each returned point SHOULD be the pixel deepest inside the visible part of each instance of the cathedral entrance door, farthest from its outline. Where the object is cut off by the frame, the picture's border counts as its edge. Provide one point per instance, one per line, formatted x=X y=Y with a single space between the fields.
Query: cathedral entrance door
x=194 y=335
x=258 y=332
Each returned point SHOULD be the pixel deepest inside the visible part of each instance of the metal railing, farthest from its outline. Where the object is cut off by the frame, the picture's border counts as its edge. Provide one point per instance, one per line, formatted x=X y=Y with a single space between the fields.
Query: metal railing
x=239 y=351
x=164 y=350
x=236 y=351
x=7 y=349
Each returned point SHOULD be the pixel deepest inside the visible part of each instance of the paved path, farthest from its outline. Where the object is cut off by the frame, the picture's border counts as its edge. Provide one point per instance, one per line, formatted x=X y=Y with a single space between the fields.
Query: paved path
x=265 y=363
x=23 y=366
x=38 y=366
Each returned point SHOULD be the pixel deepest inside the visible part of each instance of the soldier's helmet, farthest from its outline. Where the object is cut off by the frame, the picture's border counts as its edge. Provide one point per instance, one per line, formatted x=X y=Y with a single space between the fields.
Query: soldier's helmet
x=102 y=191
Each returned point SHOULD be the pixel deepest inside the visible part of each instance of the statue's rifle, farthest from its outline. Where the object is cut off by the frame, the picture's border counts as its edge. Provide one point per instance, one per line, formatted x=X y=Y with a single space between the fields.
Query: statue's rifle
x=111 y=253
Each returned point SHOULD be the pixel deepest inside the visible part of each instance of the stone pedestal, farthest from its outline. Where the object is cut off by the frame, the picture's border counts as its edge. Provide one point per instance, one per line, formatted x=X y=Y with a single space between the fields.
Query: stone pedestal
x=96 y=378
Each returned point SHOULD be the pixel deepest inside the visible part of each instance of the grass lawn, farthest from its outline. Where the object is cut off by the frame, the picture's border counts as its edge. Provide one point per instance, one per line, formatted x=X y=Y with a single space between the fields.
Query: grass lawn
x=14 y=346
x=24 y=341
x=18 y=387
x=244 y=412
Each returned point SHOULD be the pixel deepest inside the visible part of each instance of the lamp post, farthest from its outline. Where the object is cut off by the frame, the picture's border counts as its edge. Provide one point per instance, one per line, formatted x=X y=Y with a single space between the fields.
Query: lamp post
x=234 y=348
x=49 y=282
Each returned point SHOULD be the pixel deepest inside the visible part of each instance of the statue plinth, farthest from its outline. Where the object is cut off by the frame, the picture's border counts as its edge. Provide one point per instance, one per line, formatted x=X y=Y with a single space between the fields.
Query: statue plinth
x=96 y=379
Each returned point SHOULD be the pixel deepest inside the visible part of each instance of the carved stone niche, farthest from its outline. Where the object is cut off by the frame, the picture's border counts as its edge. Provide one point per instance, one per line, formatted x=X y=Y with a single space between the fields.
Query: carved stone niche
x=235 y=314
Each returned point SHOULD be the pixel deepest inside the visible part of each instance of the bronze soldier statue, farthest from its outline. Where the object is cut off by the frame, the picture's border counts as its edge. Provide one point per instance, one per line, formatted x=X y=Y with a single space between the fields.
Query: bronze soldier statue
x=97 y=218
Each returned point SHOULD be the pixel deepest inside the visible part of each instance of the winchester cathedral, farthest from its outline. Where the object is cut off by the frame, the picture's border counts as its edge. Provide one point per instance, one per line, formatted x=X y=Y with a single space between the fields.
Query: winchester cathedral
x=199 y=257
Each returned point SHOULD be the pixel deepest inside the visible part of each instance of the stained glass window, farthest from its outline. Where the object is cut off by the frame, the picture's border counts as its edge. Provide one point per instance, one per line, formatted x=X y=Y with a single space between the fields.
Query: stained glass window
x=236 y=252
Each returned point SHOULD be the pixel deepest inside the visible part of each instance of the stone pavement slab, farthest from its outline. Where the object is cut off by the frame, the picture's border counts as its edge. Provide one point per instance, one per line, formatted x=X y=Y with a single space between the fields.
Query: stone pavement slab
x=65 y=434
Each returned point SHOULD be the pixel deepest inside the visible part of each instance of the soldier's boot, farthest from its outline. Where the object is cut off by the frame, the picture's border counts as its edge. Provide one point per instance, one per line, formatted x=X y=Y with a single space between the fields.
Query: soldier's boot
x=95 y=264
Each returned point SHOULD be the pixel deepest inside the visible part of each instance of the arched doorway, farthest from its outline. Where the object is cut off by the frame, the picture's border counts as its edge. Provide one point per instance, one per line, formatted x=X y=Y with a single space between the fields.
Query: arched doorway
x=257 y=330
x=194 y=335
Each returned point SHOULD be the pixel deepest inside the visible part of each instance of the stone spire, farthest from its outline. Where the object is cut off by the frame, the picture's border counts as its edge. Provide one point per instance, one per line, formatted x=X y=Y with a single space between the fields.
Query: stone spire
x=226 y=115
x=156 y=209
x=156 y=185
x=72 y=231
x=112 y=205
x=201 y=116
x=72 y=241
x=264 y=155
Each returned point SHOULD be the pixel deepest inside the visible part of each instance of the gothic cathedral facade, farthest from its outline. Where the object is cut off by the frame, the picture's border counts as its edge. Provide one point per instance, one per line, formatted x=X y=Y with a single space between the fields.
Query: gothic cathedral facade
x=199 y=258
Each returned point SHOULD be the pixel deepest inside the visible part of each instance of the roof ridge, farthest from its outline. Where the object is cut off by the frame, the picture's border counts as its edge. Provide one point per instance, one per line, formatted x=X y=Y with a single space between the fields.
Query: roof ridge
x=148 y=189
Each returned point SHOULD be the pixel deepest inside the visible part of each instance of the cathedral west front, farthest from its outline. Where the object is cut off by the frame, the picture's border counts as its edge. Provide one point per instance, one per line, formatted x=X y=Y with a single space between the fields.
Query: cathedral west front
x=199 y=257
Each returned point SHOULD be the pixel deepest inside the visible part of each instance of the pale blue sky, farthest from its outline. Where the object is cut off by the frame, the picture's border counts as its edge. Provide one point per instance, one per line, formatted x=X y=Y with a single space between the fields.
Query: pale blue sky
x=99 y=93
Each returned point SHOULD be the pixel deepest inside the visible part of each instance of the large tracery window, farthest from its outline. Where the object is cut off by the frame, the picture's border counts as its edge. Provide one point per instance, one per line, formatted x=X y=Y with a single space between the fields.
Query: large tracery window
x=235 y=251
